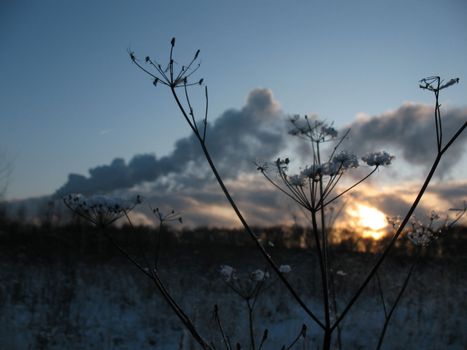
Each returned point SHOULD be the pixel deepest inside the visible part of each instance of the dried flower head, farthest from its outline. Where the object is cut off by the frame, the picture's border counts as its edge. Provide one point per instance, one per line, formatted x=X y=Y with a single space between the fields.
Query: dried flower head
x=228 y=273
x=378 y=158
x=167 y=217
x=311 y=128
x=394 y=221
x=247 y=286
x=297 y=180
x=259 y=275
x=328 y=130
x=421 y=234
x=346 y=160
x=169 y=74
x=313 y=171
x=436 y=84
x=100 y=210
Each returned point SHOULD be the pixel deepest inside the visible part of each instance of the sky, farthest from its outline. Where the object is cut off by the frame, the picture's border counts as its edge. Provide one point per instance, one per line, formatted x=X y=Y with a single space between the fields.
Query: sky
x=72 y=101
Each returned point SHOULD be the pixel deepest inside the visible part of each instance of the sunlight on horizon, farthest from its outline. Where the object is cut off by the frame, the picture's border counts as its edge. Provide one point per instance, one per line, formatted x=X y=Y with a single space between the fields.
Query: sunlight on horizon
x=370 y=221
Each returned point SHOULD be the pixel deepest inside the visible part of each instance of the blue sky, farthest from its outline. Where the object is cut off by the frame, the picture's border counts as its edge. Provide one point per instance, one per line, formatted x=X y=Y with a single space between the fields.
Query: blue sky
x=71 y=99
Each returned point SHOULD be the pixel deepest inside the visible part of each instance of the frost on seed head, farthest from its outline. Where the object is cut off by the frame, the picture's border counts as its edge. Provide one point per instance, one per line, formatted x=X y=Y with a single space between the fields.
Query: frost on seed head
x=378 y=158
x=297 y=180
x=422 y=234
x=420 y=237
x=328 y=130
x=259 y=275
x=394 y=221
x=228 y=273
x=312 y=171
x=285 y=269
x=246 y=285
x=346 y=160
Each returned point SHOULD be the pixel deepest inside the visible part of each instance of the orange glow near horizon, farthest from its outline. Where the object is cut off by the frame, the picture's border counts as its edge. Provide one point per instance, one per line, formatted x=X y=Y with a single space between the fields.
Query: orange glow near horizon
x=370 y=221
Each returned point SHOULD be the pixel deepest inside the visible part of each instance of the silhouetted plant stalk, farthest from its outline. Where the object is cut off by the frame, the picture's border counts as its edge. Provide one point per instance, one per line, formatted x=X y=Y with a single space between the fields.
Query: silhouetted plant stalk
x=162 y=218
x=102 y=211
x=314 y=187
x=225 y=338
x=314 y=184
x=168 y=77
x=248 y=288
x=421 y=236
x=441 y=151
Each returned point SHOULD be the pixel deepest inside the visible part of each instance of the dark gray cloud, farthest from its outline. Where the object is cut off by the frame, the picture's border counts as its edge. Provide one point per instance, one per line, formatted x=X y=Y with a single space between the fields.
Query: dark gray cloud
x=455 y=192
x=118 y=174
x=262 y=205
x=236 y=139
x=411 y=130
x=206 y=206
x=182 y=180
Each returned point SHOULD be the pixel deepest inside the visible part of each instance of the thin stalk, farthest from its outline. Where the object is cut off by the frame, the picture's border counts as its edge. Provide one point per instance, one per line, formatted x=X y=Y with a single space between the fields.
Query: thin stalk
x=325 y=289
x=227 y=344
x=396 y=302
x=327 y=335
x=402 y=225
x=338 y=144
x=282 y=190
x=263 y=340
x=205 y=120
x=165 y=294
x=250 y=232
x=323 y=231
x=381 y=294
x=332 y=291
x=393 y=240
x=192 y=114
x=158 y=245
x=292 y=344
x=251 y=325
x=350 y=188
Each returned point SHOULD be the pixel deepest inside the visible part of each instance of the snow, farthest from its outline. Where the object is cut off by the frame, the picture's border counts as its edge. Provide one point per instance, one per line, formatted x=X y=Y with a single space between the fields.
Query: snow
x=109 y=305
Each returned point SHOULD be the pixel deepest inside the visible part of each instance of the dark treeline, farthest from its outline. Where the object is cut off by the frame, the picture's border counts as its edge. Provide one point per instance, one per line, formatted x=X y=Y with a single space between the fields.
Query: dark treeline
x=81 y=241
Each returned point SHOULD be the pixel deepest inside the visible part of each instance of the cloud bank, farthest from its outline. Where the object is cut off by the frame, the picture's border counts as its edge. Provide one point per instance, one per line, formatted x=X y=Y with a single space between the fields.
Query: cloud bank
x=410 y=129
x=182 y=180
x=235 y=140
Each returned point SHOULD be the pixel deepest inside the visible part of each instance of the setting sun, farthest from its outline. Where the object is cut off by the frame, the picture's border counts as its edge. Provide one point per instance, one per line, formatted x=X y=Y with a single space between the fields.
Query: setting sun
x=370 y=221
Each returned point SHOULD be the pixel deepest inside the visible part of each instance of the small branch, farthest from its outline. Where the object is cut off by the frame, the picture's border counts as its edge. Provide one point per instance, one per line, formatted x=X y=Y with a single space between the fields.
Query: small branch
x=251 y=325
x=297 y=338
x=205 y=121
x=381 y=294
x=456 y=135
x=350 y=188
x=165 y=294
x=392 y=242
x=263 y=340
x=396 y=302
x=227 y=344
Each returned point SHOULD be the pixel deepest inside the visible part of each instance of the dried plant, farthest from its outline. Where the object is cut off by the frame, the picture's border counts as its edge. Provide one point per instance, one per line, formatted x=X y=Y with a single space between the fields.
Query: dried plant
x=313 y=189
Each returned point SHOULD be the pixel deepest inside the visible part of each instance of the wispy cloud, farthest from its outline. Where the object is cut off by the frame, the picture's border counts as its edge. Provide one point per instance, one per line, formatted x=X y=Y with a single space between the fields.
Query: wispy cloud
x=104 y=132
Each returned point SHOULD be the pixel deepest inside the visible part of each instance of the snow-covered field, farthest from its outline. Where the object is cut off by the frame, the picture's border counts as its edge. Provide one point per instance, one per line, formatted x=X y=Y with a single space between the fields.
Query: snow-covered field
x=81 y=304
